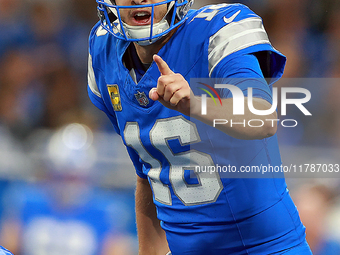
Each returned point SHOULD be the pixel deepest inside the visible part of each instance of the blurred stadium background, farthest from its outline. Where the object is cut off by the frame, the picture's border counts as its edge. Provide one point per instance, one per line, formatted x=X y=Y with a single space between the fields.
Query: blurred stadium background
x=66 y=183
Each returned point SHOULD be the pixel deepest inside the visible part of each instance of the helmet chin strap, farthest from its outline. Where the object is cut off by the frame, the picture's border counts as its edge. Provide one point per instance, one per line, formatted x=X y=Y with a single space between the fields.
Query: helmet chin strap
x=136 y=32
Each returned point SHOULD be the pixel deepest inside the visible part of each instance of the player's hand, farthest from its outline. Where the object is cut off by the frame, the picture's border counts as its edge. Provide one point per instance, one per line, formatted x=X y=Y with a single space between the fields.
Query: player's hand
x=173 y=91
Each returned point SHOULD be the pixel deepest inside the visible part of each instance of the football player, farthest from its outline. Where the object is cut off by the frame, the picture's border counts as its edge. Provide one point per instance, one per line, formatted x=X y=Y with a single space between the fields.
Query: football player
x=142 y=56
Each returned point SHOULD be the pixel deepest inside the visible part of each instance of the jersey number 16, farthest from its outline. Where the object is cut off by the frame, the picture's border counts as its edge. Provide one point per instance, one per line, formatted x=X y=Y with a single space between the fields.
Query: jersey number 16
x=209 y=184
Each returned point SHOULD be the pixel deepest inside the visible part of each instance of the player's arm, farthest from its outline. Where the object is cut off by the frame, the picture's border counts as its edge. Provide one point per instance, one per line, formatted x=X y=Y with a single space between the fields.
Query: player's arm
x=151 y=237
x=174 y=92
x=240 y=129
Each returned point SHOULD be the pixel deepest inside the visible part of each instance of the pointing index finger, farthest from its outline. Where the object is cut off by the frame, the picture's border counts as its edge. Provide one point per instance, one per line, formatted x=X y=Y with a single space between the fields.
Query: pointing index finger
x=162 y=65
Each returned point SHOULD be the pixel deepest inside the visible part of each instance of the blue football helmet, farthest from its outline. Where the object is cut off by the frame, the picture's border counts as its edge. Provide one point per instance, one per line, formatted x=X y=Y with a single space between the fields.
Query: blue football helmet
x=111 y=21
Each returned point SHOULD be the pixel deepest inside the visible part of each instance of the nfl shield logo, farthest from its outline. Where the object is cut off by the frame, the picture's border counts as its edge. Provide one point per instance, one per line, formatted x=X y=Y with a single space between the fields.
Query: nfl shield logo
x=142 y=98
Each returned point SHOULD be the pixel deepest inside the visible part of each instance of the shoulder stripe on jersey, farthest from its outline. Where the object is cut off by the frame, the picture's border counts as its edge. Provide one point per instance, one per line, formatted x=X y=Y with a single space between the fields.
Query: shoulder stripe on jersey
x=101 y=31
x=91 y=79
x=234 y=37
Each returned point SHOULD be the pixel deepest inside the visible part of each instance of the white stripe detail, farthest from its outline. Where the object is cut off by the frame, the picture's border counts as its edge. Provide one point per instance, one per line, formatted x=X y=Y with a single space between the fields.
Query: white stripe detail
x=101 y=31
x=234 y=37
x=91 y=79
x=238 y=26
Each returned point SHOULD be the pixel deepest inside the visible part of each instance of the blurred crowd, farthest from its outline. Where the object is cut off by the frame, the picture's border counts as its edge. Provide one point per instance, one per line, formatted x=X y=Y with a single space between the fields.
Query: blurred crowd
x=66 y=184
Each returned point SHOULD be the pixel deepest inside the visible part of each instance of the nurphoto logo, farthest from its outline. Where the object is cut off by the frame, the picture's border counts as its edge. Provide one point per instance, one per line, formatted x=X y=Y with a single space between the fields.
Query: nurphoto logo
x=239 y=104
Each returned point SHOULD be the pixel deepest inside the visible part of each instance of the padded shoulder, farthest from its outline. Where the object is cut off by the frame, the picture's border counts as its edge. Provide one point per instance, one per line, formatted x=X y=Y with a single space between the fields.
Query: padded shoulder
x=227 y=29
x=215 y=17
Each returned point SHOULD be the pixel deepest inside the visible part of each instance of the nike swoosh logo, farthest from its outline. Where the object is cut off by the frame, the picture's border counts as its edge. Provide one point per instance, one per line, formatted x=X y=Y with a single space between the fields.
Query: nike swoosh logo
x=231 y=19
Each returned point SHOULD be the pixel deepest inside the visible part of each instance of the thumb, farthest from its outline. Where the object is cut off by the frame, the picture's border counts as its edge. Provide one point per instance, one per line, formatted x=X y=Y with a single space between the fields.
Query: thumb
x=153 y=94
x=162 y=65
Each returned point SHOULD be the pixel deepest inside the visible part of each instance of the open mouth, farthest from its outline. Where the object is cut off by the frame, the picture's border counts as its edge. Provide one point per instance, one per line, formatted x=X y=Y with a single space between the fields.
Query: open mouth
x=142 y=17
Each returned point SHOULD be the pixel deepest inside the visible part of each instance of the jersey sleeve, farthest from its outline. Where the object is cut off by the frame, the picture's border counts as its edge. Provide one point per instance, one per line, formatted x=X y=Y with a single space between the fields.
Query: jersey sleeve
x=94 y=79
x=92 y=87
x=244 y=72
x=237 y=31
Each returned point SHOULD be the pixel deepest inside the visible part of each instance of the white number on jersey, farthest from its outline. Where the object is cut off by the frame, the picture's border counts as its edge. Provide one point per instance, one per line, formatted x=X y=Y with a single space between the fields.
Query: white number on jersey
x=209 y=13
x=185 y=131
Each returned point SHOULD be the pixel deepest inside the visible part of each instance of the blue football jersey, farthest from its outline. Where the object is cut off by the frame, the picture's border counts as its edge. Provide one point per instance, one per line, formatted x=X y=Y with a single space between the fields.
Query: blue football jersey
x=254 y=214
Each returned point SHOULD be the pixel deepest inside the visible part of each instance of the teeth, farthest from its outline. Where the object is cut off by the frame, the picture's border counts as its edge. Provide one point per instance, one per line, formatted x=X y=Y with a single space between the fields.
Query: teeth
x=141 y=14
